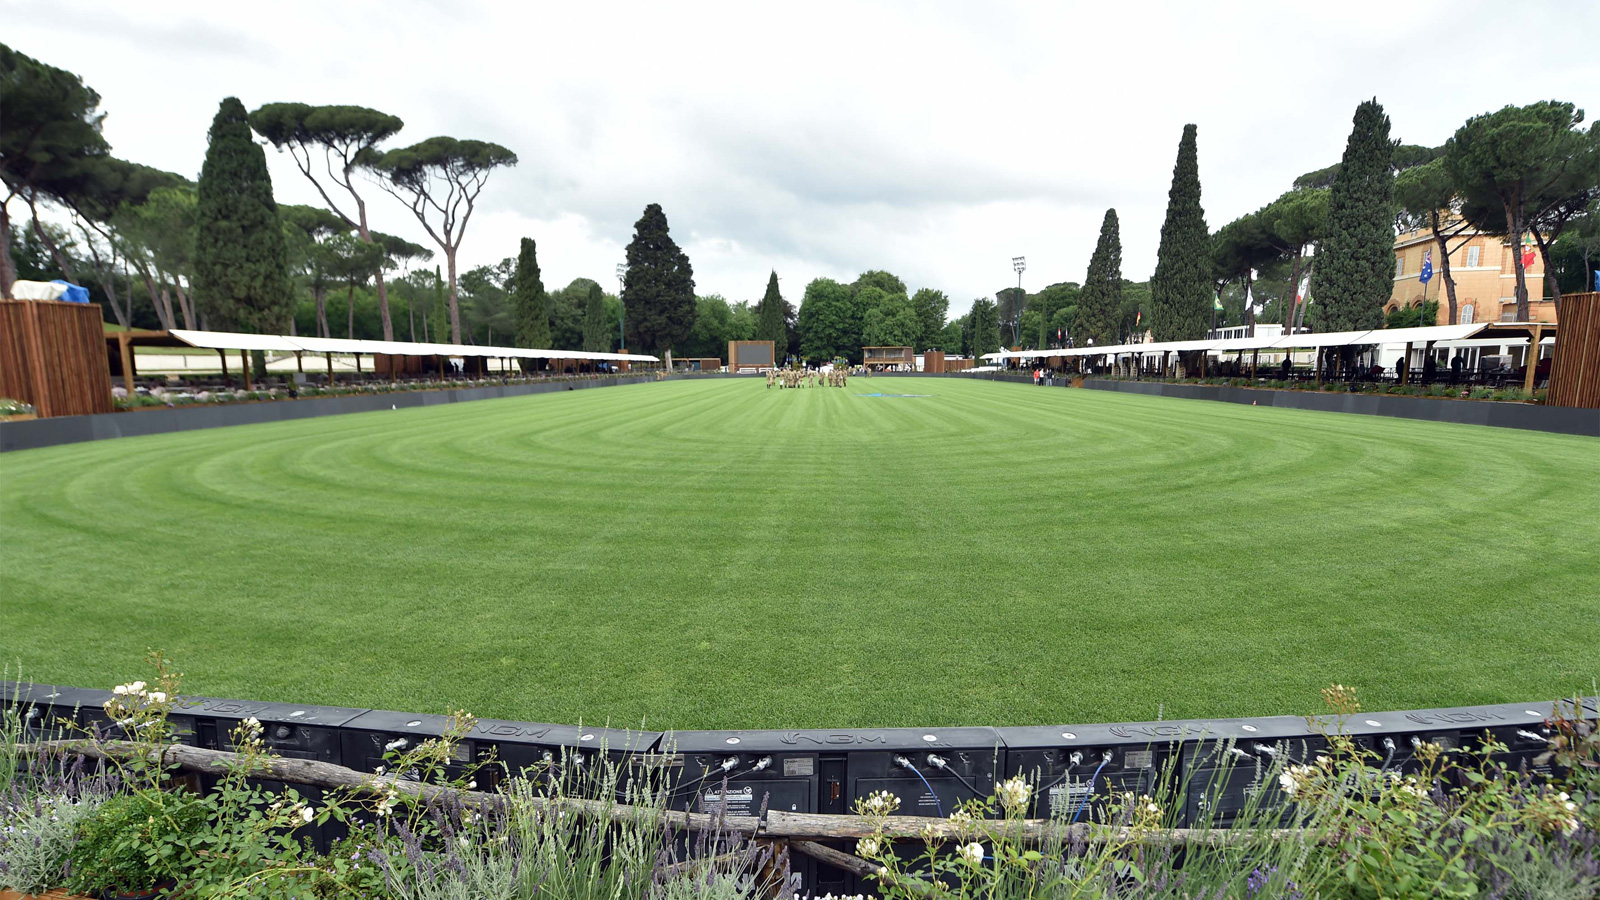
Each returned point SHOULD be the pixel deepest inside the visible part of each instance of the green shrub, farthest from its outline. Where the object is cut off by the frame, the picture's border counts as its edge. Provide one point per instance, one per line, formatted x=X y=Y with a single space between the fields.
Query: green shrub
x=134 y=842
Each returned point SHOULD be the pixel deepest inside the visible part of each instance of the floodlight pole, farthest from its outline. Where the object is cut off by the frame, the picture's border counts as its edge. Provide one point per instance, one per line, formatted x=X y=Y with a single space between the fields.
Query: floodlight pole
x=622 y=271
x=1019 y=263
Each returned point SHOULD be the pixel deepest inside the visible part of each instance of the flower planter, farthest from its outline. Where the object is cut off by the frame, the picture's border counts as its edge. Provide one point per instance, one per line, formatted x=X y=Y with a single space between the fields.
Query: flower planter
x=48 y=895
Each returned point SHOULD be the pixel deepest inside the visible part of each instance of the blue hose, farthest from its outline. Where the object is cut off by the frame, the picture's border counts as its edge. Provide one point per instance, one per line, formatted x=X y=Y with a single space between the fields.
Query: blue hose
x=1090 y=792
x=937 y=805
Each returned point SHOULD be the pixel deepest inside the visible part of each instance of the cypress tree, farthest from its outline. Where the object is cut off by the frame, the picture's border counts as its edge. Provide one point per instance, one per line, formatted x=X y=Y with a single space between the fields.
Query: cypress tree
x=658 y=289
x=596 y=327
x=1180 y=290
x=770 y=325
x=241 y=263
x=1354 y=272
x=1100 y=302
x=985 y=326
x=530 y=307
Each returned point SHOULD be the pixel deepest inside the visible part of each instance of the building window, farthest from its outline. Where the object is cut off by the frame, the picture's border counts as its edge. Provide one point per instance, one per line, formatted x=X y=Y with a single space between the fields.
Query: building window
x=1472 y=257
x=1399 y=266
x=1466 y=314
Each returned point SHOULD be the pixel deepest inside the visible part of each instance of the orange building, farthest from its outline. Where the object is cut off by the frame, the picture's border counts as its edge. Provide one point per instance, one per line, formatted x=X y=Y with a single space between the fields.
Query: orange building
x=1484 y=272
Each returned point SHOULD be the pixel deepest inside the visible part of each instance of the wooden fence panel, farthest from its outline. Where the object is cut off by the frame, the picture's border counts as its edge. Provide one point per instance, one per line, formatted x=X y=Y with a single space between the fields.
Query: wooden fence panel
x=53 y=356
x=1575 y=370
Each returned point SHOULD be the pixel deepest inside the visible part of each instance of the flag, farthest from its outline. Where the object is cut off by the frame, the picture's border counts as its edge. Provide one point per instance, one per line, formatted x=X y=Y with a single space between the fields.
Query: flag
x=1527 y=250
x=1217 y=303
x=1136 y=317
x=1427 y=267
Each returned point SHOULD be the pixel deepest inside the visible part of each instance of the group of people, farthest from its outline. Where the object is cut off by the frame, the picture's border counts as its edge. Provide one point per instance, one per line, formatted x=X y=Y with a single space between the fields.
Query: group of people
x=1044 y=375
x=797 y=378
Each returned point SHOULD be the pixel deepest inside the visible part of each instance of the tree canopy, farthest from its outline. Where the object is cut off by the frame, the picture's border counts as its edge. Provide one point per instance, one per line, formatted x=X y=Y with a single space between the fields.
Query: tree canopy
x=1100 y=301
x=530 y=308
x=770 y=320
x=1354 y=273
x=347 y=137
x=439 y=179
x=828 y=326
x=1180 y=291
x=241 y=265
x=658 y=289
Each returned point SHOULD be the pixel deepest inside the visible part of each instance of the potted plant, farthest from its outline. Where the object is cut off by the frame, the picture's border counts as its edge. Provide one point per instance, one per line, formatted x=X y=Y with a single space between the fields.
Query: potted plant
x=136 y=846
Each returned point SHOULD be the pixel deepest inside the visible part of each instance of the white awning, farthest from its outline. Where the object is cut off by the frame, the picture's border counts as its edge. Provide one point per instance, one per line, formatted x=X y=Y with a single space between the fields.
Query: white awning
x=1424 y=334
x=232 y=340
x=225 y=340
x=1319 y=339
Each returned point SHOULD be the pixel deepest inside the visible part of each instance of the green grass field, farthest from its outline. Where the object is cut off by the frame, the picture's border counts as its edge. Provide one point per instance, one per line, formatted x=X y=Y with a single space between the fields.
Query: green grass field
x=705 y=554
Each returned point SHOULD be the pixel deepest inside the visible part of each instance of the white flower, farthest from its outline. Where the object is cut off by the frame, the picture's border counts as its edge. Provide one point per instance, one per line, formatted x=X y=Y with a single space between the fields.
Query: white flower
x=251 y=724
x=1013 y=793
x=962 y=819
x=157 y=697
x=307 y=814
x=867 y=847
x=971 y=854
x=881 y=803
x=472 y=785
x=1294 y=778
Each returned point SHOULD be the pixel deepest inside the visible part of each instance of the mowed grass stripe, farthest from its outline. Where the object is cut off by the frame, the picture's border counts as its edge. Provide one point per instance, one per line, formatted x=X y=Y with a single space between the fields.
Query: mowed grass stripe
x=712 y=553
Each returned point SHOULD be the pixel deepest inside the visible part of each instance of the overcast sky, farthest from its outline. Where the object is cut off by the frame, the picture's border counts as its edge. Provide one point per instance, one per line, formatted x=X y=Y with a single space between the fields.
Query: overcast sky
x=936 y=140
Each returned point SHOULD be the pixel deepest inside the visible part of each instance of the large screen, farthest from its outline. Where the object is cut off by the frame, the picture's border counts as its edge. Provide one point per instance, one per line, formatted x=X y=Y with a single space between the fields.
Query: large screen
x=753 y=354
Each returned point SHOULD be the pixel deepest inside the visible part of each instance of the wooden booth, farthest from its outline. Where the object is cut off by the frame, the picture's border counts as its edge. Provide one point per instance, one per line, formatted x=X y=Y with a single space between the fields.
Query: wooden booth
x=751 y=356
x=53 y=357
x=1575 y=368
x=697 y=364
x=881 y=358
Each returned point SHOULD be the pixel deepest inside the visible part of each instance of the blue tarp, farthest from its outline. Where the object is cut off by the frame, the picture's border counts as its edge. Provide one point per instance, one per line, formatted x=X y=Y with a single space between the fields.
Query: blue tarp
x=73 y=293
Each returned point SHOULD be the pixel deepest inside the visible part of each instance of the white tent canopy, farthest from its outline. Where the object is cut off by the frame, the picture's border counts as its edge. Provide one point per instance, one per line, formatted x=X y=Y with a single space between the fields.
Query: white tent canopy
x=226 y=340
x=1382 y=336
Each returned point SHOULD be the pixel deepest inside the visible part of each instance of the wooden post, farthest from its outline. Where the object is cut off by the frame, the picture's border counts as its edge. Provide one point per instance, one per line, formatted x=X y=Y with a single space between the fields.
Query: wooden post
x=244 y=366
x=299 y=364
x=1532 y=367
x=223 y=354
x=358 y=364
x=127 y=362
x=1318 y=371
x=1255 y=357
x=1405 y=372
x=329 y=357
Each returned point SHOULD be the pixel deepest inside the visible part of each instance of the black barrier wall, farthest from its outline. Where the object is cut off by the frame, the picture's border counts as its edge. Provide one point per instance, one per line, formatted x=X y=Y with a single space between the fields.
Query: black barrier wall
x=1527 y=416
x=1211 y=769
x=37 y=433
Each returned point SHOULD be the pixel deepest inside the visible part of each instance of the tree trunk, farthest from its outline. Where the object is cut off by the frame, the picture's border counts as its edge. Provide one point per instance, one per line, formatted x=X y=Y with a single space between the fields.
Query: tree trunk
x=350 y=305
x=321 y=294
x=1514 y=230
x=62 y=262
x=1291 y=300
x=8 y=266
x=166 y=306
x=1444 y=271
x=1549 y=271
x=455 y=308
x=366 y=235
x=411 y=316
x=383 y=306
x=165 y=317
x=184 y=303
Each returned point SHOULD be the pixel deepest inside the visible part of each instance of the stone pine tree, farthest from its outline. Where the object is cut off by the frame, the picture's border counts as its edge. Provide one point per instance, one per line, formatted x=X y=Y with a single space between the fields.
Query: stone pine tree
x=530 y=307
x=770 y=324
x=658 y=289
x=1100 y=302
x=596 y=324
x=1354 y=271
x=1180 y=290
x=241 y=265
